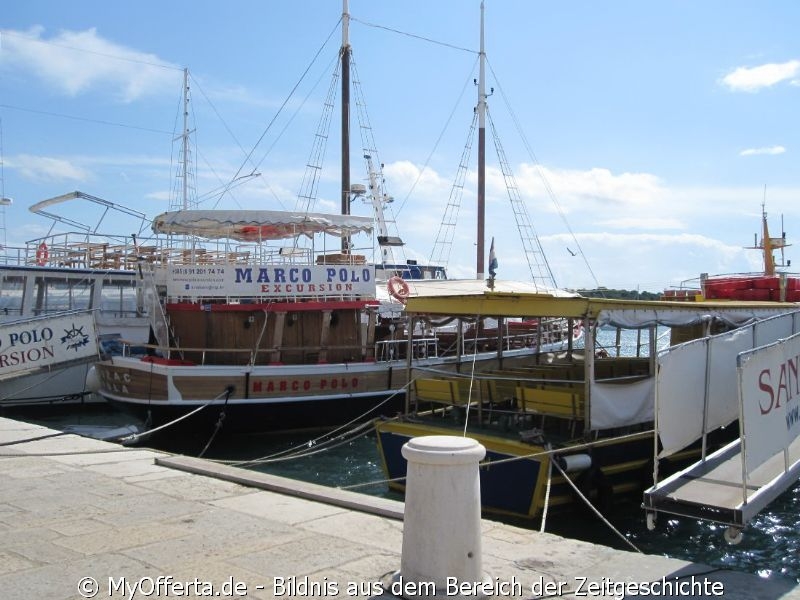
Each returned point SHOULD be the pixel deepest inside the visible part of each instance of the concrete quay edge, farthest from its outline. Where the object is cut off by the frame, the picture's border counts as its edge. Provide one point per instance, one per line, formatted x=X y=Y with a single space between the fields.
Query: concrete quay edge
x=73 y=508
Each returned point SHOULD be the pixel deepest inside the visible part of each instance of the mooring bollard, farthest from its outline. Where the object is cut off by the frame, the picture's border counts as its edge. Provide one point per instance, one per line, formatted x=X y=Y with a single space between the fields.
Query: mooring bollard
x=442 y=518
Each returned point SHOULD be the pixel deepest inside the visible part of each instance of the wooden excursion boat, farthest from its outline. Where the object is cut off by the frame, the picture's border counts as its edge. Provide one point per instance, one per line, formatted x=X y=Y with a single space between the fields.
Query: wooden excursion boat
x=590 y=416
x=280 y=337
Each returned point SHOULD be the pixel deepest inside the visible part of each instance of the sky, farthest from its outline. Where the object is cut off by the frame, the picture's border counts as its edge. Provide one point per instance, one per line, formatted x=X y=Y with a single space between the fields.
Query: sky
x=643 y=137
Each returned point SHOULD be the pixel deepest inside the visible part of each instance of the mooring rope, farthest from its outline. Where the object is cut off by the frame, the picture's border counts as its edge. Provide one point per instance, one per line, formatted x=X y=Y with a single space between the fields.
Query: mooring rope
x=136 y=436
x=298 y=451
x=547 y=494
x=592 y=506
x=220 y=421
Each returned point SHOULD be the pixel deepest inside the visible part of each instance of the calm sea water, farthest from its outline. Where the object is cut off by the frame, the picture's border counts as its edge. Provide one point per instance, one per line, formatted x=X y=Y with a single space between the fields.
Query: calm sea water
x=770 y=547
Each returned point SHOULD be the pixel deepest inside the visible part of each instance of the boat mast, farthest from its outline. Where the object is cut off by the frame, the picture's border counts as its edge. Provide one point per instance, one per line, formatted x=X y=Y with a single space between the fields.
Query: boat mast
x=769 y=260
x=481 y=152
x=768 y=244
x=182 y=196
x=345 y=58
x=185 y=169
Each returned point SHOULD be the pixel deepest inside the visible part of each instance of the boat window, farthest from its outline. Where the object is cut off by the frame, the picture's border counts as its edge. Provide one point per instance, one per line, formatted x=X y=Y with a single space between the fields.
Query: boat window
x=118 y=297
x=54 y=294
x=12 y=289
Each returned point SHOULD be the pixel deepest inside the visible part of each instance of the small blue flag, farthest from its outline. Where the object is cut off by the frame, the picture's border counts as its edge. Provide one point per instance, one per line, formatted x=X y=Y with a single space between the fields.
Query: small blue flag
x=492 y=261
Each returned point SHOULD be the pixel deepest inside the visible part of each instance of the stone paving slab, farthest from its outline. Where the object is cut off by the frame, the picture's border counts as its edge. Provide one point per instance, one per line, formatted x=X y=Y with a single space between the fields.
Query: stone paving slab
x=71 y=510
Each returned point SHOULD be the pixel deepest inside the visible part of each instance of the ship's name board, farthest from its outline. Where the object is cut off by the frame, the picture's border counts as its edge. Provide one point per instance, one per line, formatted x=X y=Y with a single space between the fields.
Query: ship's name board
x=770 y=389
x=271 y=281
x=46 y=342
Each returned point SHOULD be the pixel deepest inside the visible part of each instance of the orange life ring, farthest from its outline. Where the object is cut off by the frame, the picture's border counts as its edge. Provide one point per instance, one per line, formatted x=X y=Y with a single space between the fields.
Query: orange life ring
x=42 y=254
x=398 y=288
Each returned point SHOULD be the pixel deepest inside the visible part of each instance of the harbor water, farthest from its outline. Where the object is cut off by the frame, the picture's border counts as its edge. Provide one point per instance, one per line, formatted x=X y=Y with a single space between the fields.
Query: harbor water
x=350 y=460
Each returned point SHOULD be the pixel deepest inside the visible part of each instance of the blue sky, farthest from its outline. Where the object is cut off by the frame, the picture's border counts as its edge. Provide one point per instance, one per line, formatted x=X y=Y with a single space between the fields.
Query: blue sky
x=658 y=126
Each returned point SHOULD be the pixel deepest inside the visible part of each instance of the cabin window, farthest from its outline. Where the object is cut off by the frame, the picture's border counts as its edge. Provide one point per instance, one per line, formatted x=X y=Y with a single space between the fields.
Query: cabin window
x=57 y=294
x=12 y=289
x=118 y=297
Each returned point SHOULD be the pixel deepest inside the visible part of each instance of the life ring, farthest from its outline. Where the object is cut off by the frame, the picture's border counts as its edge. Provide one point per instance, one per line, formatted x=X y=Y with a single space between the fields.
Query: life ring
x=42 y=254
x=398 y=288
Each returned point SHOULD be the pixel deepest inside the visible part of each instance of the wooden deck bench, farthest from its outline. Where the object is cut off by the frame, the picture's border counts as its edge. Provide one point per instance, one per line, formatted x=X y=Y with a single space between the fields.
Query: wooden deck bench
x=449 y=392
x=553 y=402
x=443 y=391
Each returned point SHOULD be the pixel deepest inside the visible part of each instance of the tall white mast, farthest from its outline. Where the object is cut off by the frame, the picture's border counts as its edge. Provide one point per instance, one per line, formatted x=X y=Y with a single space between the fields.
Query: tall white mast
x=3 y=200
x=185 y=165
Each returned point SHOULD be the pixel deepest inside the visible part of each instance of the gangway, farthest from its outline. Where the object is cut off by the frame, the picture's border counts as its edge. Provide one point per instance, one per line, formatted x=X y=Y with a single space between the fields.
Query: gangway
x=712 y=489
x=732 y=485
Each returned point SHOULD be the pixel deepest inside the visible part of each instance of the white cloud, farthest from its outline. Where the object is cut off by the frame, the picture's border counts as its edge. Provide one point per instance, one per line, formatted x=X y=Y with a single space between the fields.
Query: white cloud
x=573 y=188
x=752 y=79
x=652 y=223
x=76 y=62
x=45 y=168
x=635 y=228
x=765 y=150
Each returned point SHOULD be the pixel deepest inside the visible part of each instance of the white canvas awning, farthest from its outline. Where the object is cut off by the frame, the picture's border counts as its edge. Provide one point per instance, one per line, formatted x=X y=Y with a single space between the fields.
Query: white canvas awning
x=258 y=225
x=689 y=314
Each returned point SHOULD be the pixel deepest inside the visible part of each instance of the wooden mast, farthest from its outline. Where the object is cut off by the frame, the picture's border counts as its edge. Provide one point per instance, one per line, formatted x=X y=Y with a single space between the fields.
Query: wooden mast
x=481 y=154
x=345 y=58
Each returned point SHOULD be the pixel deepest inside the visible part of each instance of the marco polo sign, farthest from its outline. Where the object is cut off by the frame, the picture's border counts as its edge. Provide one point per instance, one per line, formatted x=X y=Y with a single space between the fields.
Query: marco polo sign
x=271 y=281
x=45 y=342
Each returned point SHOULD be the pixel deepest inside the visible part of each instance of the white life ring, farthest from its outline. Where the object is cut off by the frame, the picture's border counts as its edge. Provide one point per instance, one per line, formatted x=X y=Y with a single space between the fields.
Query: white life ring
x=398 y=288
x=42 y=254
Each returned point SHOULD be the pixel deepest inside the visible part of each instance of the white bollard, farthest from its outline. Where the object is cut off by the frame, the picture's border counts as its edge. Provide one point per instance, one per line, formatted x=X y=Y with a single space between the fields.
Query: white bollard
x=442 y=517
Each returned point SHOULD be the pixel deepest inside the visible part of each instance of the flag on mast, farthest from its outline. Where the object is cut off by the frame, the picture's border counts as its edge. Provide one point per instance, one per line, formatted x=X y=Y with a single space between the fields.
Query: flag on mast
x=492 y=261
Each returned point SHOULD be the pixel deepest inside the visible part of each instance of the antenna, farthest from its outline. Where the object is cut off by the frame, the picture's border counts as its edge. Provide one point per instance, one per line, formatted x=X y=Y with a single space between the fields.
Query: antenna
x=3 y=200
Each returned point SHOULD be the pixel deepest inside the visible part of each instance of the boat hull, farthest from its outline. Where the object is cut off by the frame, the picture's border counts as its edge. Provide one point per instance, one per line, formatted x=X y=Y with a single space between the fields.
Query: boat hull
x=253 y=400
x=264 y=398
x=60 y=385
x=514 y=475
x=260 y=416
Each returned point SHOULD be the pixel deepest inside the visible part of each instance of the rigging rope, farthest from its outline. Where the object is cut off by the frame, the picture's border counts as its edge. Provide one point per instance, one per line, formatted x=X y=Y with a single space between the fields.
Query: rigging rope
x=472 y=373
x=413 y=35
x=280 y=110
x=540 y=170
x=438 y=139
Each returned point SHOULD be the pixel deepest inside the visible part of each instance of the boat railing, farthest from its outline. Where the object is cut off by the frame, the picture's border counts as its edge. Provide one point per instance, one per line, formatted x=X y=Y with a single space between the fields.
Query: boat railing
x=511 y=341
x=77 y=250
x=204 y=356
x=11 y=311
x=74 y=249
x=516 y=335
x=390 y=350
x=13 y=255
